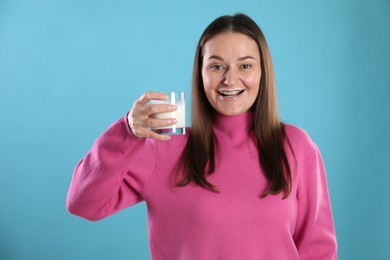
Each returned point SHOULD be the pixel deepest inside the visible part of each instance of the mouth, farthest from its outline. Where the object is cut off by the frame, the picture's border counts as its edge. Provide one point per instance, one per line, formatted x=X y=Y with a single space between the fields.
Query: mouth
x=230 y=92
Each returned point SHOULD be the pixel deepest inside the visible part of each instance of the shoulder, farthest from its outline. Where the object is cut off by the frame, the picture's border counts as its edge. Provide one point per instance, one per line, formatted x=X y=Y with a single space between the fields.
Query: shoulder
x=299 y=139
x=296 y=133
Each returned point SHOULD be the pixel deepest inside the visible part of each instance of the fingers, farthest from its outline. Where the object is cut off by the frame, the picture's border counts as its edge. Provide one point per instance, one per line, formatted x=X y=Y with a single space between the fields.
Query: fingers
x=141 y=116
x=159 y=108
x=147 y=96
x=140 y=123
x=142 y=129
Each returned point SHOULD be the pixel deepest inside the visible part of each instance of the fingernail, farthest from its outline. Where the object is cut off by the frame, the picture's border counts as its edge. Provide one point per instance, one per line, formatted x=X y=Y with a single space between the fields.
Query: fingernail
x=173 y=107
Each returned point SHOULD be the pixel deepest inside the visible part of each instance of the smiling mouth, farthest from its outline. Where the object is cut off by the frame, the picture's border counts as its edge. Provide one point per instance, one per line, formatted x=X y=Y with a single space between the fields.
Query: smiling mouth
x=230 y=92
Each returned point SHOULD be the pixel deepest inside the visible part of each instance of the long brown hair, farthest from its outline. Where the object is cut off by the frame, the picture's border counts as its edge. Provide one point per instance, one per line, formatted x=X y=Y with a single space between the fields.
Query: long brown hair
x=198 y=156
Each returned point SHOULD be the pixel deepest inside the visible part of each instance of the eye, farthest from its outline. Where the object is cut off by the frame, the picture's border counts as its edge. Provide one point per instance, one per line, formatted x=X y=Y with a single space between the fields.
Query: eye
x=246 y=66
x=216 y=67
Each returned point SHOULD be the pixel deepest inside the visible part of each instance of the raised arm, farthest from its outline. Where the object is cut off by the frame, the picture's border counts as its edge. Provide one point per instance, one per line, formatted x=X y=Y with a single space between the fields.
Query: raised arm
x=112 y=175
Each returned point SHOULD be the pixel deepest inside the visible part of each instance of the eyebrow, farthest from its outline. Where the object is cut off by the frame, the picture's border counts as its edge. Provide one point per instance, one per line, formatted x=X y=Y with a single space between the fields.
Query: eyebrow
x=240 y=59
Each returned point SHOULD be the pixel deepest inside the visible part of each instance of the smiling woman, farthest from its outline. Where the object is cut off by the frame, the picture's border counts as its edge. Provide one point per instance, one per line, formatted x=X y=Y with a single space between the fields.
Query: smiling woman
x=240 y=184
x=231 y=72
x=223 y=51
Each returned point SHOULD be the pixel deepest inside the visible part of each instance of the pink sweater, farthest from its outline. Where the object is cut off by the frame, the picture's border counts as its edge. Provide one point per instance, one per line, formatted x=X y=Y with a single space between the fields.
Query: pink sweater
x=192 y=223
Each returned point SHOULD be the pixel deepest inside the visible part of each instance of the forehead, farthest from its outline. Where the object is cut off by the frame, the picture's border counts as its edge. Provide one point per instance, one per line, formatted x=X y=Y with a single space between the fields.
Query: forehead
x=231 y=44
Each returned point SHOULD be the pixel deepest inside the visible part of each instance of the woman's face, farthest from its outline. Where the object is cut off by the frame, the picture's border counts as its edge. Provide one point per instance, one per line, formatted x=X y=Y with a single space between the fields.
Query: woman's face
x=231 y=72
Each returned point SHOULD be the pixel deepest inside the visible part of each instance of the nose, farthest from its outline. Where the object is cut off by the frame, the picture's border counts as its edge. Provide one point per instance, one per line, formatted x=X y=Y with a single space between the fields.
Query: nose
x=230 y=78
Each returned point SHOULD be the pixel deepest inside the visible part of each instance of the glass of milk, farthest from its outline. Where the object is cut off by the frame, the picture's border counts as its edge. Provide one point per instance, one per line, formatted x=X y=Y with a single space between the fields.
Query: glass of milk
x=177 y=99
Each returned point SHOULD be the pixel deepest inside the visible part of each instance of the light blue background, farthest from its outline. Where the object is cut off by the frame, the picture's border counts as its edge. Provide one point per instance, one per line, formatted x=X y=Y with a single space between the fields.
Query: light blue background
x=68 y=69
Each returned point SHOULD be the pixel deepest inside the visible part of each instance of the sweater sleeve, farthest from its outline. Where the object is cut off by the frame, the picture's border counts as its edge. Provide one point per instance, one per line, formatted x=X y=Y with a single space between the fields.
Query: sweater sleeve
x=112 y=175
x=315 y=235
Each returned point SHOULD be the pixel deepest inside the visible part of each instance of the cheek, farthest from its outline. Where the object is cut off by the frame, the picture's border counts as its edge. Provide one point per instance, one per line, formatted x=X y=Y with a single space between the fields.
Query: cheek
x=206 y=80
x=253 y=83
x=206 y=85
x=209 y=85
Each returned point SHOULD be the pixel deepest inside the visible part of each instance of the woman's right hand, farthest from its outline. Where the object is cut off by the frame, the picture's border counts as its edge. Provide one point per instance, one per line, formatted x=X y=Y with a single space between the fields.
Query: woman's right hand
x=140 y=118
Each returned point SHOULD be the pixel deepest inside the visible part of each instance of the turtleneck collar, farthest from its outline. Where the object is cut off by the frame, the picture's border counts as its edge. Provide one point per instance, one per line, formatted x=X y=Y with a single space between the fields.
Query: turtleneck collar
x=233 y=124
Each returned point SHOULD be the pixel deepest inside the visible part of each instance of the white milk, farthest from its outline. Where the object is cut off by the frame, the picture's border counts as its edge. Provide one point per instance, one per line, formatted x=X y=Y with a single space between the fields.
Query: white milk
x=179 y=114
x=177 y=99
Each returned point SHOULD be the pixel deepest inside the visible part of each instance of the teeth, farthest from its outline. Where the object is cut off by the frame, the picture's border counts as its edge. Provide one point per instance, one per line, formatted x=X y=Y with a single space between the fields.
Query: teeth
x=230 y=92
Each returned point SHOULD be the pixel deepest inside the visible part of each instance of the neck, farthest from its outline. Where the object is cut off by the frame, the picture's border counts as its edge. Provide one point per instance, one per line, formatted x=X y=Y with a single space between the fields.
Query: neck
x=233 y=125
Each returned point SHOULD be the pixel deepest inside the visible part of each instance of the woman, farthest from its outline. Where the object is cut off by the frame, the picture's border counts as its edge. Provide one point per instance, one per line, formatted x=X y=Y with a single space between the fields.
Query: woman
x=239 y=185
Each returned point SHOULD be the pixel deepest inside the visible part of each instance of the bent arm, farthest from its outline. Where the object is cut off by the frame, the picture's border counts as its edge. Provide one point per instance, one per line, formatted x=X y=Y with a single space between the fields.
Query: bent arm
x=112 y=175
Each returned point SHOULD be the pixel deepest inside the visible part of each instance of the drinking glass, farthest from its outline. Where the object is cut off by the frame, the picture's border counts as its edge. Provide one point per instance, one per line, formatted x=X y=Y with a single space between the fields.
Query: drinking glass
x=177 y=99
